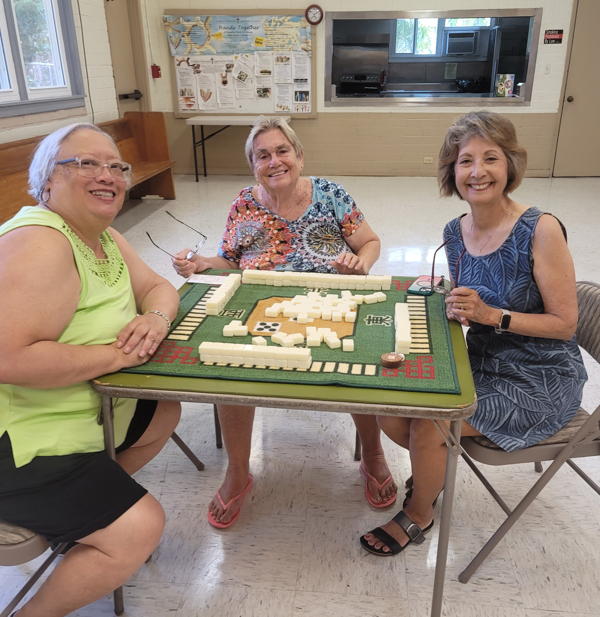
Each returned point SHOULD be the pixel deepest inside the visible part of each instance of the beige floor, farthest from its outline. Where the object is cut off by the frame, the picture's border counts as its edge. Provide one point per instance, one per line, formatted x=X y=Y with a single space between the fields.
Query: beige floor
x=295 y=551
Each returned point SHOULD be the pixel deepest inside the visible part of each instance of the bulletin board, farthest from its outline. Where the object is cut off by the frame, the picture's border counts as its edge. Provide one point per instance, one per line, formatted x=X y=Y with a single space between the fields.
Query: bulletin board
x=241 y=62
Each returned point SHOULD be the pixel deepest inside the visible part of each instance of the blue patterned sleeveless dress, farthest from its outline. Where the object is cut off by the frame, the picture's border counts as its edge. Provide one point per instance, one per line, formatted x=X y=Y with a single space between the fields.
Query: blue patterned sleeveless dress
x=527 y=387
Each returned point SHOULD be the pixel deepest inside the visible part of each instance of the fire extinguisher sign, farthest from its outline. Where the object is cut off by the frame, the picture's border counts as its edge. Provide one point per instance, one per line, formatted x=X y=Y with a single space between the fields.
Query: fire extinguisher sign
x=553 y=37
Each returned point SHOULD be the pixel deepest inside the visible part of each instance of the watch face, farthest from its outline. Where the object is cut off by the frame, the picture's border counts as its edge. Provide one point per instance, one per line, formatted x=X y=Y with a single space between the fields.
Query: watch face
x=505 y=321
x=314 y=14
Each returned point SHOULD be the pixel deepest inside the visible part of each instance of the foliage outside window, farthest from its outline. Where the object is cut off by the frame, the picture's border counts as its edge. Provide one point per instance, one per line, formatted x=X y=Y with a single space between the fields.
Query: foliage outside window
x=39 y=66
x=422 y=36
x=417 y=36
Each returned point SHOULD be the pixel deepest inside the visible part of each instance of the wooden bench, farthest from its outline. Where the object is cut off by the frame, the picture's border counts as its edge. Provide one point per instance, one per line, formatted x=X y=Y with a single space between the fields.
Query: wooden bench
x=141 y=137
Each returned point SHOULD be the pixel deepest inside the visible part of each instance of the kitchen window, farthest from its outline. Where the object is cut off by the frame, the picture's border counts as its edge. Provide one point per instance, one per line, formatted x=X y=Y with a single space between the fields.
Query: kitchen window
x=438 y=57
x=416 y=37
x=39 y=64
x=427 y=36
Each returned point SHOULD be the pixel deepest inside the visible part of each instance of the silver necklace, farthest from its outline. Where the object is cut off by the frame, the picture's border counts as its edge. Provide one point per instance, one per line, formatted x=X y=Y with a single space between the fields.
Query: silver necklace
x=485 y=243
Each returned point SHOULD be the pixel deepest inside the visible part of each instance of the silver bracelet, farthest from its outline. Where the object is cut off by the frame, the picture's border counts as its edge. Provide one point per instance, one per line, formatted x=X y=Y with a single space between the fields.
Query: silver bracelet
x=161 y=314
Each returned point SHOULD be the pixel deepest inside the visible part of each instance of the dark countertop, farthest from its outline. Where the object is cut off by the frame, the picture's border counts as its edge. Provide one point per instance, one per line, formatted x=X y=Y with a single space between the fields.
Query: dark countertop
x=415 y=94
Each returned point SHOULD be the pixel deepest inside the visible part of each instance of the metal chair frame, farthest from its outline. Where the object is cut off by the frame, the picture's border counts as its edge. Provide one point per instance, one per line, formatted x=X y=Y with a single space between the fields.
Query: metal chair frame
x=580 y=438
x=22 y=552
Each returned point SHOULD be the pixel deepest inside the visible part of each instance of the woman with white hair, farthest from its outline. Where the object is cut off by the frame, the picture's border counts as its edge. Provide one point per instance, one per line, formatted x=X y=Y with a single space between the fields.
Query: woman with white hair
x=94 y=308
x=287 y=221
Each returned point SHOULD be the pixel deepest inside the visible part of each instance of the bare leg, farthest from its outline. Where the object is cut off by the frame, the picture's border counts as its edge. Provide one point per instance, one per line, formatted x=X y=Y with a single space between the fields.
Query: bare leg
x=159 y=430
x=397 y=429
x=428 y=460
x=373 y=457
x=101 y=562
x=236 y=429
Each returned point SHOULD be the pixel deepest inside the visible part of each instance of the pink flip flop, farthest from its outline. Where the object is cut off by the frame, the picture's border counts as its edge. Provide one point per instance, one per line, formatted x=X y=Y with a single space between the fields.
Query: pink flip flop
x=369 y=497
x=218 y=524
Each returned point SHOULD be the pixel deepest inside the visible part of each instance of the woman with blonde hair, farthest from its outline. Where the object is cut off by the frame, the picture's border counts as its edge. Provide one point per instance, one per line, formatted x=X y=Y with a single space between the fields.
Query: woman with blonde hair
x=287 y=221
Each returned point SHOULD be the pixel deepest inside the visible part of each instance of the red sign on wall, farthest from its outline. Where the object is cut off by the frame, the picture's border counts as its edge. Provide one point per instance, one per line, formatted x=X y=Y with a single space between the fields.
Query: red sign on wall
x=553 y=37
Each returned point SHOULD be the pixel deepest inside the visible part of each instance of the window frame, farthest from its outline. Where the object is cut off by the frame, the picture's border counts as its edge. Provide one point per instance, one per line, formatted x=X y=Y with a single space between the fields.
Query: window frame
x=440 y=52
x=25 y=101
x=395 y=56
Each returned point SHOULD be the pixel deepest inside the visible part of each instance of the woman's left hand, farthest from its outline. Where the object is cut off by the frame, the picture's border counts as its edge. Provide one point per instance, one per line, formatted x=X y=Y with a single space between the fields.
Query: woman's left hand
x=143 y=334
x=465 y=305
x=349 y=263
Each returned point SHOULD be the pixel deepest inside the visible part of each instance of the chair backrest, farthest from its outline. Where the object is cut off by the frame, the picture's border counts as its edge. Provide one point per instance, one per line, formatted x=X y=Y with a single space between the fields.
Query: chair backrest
x=588 y=327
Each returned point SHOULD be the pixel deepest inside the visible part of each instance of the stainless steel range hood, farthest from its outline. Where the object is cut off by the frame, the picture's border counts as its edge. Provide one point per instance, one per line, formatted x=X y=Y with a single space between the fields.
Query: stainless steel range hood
x=364 y=33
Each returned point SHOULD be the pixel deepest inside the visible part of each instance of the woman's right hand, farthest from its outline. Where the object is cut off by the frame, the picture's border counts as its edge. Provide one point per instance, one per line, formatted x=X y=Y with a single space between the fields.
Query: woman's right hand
x=186 y=267
x=129 y=359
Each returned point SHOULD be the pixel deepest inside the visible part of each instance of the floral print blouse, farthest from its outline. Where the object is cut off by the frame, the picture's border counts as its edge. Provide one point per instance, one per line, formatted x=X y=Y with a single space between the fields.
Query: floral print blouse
x=257 y=238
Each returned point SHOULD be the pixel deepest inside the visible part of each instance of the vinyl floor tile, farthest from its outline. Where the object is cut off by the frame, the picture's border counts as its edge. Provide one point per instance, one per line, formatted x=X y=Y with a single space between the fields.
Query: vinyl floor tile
x=344 y=605
x=333 y=561
x=210 y=600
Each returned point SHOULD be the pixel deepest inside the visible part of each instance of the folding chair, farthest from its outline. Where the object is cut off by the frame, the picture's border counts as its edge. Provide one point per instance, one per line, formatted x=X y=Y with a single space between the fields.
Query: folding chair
x=579 y=438
x=17 y=546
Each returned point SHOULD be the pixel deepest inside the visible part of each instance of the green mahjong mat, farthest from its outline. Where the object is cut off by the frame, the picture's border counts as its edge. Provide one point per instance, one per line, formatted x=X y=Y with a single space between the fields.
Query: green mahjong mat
x=429 y=367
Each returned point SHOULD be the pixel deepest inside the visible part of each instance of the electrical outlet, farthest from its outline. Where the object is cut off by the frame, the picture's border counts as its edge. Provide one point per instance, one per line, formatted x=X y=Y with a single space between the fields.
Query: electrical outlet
x=428 y=160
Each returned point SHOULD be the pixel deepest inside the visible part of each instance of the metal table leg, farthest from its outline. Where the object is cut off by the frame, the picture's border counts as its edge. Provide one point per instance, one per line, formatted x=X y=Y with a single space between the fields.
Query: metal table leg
x=109 y=444
x=203 y=149
x=201 y=142
x=194 y=151
x=444 y=535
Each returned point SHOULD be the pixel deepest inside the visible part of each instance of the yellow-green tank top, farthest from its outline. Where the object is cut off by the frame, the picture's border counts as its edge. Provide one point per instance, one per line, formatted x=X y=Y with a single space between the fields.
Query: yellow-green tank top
x=58 y=421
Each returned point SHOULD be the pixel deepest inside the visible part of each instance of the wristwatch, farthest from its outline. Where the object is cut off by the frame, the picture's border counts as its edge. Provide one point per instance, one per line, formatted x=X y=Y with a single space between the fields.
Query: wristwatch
x=504 y=322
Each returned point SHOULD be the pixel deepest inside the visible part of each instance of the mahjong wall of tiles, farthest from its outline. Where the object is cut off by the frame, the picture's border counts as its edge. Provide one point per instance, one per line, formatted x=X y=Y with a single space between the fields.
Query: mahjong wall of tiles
x=428 y=367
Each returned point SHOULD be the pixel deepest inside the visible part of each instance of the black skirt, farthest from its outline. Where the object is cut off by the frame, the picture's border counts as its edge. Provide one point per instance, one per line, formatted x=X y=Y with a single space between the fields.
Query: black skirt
x=65 y=498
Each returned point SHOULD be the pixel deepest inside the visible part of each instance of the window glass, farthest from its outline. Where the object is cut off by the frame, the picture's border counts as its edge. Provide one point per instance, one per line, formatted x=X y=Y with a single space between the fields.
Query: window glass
x=467 y=22
x=36 y=23
x=4 y=77
x=426 y=43
x=405 y=36
x=417 y=36
x=39 y=64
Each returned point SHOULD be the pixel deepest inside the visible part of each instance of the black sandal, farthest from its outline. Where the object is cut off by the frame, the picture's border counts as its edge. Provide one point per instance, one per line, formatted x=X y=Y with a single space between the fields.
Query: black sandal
x=413 y=531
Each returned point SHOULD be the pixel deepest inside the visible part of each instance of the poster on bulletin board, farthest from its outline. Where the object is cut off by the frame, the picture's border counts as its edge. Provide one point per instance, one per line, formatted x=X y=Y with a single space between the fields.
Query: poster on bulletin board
x=241 y=63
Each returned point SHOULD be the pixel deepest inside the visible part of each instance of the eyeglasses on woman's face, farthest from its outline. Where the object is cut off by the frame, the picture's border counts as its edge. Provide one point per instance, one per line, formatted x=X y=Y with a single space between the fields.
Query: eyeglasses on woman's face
x=91 y=168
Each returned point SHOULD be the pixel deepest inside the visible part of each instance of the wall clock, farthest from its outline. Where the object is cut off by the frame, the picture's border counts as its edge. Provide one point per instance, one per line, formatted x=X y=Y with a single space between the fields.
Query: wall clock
x=314 y=14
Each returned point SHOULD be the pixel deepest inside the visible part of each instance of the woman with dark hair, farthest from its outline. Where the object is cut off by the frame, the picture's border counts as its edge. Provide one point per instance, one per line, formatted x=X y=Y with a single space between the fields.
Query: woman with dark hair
x=94 y=308
x=514 y=287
